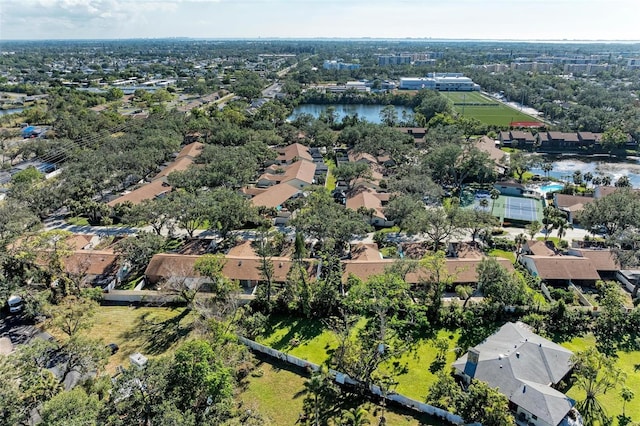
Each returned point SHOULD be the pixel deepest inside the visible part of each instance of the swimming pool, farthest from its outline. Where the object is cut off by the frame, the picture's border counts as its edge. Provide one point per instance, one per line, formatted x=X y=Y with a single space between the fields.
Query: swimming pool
x=550 y=187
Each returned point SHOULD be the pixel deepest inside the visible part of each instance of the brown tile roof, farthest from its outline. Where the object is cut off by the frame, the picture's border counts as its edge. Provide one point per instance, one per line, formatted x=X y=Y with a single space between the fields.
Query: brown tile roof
x=367 y=199
x=354 y=157
x=587 y=136
x=248 y=268
x=157 y=185
x=301 y=170
x=253 y=191
x=243 y=267
x=383 y=158
x=571 y=137
x=543 y=137
x=539 y=248
x=564 y=268
x=556 y=135
x=78 y=241
x=192 y=150
x=488 y=145
x=522 y=135
x=179 y=165
x=92 y=262
x=465 y=270
x=275 y=195
x=167 y=265
x=466 y=250
x=603 y=191
x=366 y=253
x=462 y=270
x=243 y=249
x=294 y=151
x=602 y=260
x=567 y=201
x=148 y=191
x=383 y=196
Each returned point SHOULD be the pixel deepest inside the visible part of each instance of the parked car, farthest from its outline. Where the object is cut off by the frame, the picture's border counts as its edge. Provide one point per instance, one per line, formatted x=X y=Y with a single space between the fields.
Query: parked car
x=113 y=348
x=15 y=304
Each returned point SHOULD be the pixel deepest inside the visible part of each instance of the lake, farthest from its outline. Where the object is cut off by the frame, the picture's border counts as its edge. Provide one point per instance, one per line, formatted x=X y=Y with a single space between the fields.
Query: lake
x=10 y=111
x=370 y=113
x=564 y=166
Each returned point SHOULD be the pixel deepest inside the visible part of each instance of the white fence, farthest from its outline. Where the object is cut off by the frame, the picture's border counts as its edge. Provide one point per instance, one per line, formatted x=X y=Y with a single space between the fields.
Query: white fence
x=342 y=378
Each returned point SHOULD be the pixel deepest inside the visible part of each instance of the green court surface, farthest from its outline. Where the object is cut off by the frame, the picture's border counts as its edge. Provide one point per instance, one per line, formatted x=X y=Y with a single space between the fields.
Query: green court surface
x=519 y=209
x=506 y=208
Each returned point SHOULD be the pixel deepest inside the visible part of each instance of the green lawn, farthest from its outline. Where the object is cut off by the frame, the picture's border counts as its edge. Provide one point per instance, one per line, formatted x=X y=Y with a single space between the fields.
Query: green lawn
x=277 y=393
x=468 y=97
x=503 y=253
x=150 y=331
x=412 y=369
x=611 y=400
x=491 y=112
x=316 y=344
x=331 y=181
x=315 y=341
x=78 y=221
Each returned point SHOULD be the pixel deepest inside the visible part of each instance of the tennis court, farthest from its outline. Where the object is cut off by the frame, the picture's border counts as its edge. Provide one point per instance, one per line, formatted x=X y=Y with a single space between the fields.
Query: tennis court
x=518 y=209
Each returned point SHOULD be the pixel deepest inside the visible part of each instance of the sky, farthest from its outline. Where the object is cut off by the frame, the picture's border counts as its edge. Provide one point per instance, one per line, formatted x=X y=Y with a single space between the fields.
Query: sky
x=448 y=19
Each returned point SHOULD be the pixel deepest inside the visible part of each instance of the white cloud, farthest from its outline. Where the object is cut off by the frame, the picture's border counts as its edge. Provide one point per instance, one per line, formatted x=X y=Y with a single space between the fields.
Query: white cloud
x=522 y=19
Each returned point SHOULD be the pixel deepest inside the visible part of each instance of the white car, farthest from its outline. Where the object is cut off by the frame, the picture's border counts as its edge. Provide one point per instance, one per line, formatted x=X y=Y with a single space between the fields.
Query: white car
x=15 y=304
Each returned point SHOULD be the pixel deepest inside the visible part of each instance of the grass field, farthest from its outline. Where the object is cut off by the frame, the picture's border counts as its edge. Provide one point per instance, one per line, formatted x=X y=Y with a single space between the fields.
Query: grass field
x=150 y=331
x=316 y=343
x=504 y=254
x=612 y=400
x=468 y=97
x=330 y=183
x=490 y=112
x=415 y=365
x=412 y=369
x=278 y=393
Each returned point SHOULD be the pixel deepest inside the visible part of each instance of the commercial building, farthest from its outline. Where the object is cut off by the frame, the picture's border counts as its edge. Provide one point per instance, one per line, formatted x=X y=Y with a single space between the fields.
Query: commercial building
x=337 y=65
x=453 y=82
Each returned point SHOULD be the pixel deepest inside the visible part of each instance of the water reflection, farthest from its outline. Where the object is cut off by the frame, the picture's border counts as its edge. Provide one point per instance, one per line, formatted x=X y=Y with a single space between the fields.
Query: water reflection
x=563 y=168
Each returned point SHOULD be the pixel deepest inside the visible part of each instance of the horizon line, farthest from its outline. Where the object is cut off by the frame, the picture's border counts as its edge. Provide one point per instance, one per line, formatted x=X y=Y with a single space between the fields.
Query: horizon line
x=364 y=38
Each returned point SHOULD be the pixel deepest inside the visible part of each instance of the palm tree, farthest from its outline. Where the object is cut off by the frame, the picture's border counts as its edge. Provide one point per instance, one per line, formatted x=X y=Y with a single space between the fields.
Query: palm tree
x=495 y=194
x=587 y=177
x=547 y=214
x=357 y=416
x=606 y=180
x=464 y=292
x=561 y=225
x=577 y=177
x=597 y=181
x=623 y=182
x=484 y=203
x=594 y=375
x=520 y=240
x=546 y=168
x=314 y=387
x=627 y=395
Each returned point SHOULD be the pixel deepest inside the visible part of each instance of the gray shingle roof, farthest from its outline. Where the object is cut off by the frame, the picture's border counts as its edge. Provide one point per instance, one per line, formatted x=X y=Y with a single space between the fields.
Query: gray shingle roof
x=523 y=366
